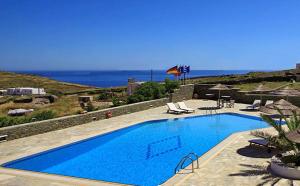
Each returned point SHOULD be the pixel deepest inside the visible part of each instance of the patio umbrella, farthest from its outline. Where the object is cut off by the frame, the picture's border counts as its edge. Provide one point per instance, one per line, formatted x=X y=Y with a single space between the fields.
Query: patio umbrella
x=287 y=91
x=294 y=136
x=284 y=106
x=219 y=87
x=261 y=89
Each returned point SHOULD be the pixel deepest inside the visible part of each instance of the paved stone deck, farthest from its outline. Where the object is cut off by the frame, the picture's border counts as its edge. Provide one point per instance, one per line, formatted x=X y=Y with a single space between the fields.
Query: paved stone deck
x=229 y=163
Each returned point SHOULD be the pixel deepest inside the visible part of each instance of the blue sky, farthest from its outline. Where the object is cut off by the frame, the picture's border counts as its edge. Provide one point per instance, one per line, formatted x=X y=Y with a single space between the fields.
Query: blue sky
x=149 y=34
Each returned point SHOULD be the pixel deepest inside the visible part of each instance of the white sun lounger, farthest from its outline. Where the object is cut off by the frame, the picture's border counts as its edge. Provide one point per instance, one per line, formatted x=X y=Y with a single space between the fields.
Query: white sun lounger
x=255 y=105
x=172 y=108
x=269 y=102
x=182 y=106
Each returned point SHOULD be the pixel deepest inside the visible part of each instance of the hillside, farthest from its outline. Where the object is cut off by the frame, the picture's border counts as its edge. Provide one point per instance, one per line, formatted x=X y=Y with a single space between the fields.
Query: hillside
x=67 y=102
x=235 y=79
x=10 y=79
x=249 y=81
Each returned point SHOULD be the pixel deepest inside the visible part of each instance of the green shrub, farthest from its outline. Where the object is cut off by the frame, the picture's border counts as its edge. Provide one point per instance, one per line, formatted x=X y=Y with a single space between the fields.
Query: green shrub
x=135 y=98
x=39 y=116
x=147 y=91
x=117 y=102
x=151 y=90
x=9 y=121
x=282 y=140
x=103 y=96
x=171 y=85
x=43 y=115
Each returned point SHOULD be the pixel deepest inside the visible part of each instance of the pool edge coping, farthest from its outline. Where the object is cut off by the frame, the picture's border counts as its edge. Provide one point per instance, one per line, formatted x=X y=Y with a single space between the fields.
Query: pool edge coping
x=180 y=177
x=174 y=180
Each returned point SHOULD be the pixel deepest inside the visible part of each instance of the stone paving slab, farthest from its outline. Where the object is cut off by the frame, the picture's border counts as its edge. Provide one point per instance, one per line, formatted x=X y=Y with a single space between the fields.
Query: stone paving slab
x=227 y=165
x=237 y=164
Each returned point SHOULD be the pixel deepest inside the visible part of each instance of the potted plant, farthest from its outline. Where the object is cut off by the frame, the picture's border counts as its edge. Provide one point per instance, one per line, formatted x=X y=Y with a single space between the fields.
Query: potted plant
x=287 y=163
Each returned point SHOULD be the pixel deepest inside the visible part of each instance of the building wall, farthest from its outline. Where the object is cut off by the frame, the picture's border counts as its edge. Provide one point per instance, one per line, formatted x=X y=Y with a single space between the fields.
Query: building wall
x=26 y=91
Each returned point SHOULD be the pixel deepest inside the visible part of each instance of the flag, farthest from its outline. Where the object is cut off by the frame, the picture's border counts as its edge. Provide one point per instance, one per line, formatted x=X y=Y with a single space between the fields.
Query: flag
x=174 y=70
x=188 y=69
x=181 y=69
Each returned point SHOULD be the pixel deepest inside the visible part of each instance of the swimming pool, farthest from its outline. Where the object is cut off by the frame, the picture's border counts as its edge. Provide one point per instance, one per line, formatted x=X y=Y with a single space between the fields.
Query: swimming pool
x=143 y=154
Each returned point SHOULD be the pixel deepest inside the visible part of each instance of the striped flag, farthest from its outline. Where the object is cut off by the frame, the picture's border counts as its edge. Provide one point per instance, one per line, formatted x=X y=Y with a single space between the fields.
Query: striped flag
x=174 y=70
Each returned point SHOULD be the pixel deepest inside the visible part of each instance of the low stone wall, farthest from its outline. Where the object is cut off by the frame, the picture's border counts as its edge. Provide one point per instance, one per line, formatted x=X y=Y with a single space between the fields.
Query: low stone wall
x=184 y=93
x=239 y=96
x=29 y=129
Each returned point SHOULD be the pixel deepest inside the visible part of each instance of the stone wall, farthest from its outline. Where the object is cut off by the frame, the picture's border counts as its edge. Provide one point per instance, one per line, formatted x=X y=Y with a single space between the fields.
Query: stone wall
x=29 y=129
x=185 y=92
x=252 y=79
x=239 y=96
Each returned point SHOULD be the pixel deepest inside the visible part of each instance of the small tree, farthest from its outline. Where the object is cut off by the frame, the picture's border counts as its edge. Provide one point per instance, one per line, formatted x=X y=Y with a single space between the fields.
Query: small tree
x=171 y=85
x=147 y=91
x=151 y=90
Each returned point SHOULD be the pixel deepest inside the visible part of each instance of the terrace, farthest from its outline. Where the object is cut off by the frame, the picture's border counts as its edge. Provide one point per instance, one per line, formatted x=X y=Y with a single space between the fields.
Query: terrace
x=230 y=162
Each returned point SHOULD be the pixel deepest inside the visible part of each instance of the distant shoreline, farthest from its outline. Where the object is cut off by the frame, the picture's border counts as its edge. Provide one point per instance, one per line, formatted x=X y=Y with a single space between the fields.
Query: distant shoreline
x=119 y=78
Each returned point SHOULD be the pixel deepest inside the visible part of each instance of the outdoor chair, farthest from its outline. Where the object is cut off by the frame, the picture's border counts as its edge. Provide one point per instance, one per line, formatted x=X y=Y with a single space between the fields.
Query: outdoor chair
x=255 y=105
x=269 y=102
x=261 y=142
x=173 y=109
x=182 y=106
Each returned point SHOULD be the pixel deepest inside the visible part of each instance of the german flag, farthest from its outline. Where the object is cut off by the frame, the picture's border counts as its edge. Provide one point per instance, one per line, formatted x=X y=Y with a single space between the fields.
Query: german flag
x=174 y=70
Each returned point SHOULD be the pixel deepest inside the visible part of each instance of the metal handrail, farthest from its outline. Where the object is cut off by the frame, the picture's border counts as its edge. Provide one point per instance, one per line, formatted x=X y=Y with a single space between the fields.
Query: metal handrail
x=183 y=161
x=187 y=157
x=196 y=158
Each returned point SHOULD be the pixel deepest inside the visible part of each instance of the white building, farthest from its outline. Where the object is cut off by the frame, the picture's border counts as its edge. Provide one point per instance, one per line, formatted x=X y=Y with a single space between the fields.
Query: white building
x=26 y=91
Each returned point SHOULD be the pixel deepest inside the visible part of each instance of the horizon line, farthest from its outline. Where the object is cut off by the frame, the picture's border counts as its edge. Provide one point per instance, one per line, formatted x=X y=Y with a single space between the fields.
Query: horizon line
x=35 y=70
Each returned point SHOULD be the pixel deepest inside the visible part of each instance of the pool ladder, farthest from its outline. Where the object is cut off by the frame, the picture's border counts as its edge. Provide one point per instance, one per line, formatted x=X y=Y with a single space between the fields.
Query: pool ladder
x=192 y=157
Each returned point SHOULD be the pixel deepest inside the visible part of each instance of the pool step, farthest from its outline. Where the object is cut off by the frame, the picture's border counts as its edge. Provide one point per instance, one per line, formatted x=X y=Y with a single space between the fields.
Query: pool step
x=192 y=157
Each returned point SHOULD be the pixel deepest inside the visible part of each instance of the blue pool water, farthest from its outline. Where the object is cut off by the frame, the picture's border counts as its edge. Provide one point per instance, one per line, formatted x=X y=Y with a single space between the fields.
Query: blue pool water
x=143 y=154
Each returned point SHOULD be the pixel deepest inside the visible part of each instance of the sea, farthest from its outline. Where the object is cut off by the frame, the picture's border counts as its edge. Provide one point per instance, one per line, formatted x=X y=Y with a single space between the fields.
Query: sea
x=114 y=78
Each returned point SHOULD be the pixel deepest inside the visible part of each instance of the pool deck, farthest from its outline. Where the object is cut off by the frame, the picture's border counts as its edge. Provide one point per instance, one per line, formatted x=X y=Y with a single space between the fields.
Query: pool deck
x=231 y=162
